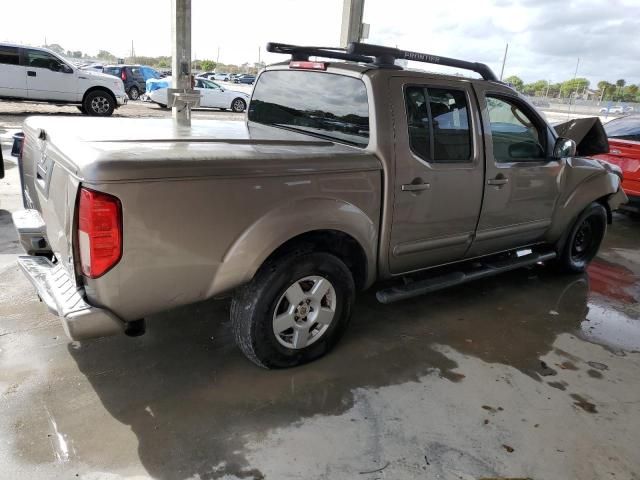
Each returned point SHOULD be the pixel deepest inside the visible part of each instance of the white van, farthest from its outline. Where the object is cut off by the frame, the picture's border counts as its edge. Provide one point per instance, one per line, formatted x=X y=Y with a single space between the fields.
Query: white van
x=39 y=75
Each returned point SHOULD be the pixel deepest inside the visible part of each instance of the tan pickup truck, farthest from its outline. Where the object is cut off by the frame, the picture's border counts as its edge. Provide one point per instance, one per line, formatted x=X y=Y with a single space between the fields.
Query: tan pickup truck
x=347 y=171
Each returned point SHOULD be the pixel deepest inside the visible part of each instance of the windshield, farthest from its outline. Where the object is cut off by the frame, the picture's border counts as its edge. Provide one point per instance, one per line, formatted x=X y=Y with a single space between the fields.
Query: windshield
x=322 y=104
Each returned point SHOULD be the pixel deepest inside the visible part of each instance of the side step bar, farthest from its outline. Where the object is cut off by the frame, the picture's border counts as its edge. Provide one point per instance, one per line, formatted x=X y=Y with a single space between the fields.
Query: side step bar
x=488 y=269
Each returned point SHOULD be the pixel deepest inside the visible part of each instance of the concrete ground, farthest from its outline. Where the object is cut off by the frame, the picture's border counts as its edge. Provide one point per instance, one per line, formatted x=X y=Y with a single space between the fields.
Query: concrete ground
x=528 y=375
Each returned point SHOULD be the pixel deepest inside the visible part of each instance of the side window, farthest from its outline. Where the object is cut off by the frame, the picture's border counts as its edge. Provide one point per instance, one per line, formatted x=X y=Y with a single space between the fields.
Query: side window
x=38 y=59
x=438 y=124
x=515 y=136
x=9 y=55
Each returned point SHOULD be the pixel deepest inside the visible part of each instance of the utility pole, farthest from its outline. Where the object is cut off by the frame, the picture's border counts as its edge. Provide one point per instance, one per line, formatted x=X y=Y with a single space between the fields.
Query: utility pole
x=259 y=51
x=351 y=31
x=575 y=74
x=181 y=97
x=548 y=85
x=218 y=56
x=504 y=60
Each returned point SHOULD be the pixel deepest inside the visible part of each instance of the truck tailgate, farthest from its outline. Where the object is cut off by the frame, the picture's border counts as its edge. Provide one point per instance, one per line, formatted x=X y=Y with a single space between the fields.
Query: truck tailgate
x=51 y=189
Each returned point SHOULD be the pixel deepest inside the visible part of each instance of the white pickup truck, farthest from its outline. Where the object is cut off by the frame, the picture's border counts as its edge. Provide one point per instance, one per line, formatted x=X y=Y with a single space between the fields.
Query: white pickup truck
x=39 y=75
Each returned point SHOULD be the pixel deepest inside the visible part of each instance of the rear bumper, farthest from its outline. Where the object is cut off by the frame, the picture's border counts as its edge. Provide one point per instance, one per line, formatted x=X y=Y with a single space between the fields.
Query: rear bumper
x=122 y=100
x=59 y=292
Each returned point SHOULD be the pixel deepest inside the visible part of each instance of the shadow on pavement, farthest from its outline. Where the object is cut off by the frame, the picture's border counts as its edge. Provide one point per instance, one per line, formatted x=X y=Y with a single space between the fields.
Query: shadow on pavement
x=9 y=242
x=194 y=402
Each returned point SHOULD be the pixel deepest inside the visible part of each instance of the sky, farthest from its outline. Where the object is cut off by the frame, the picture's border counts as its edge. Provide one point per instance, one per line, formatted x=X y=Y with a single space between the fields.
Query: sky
x=545 y=37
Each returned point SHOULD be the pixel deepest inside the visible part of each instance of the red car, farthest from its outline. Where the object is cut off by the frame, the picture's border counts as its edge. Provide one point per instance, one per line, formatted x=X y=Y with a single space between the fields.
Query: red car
x=624 y=151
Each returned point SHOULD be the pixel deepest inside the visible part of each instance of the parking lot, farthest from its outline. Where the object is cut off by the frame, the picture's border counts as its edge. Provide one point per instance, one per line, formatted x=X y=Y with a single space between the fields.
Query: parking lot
x=528 y=375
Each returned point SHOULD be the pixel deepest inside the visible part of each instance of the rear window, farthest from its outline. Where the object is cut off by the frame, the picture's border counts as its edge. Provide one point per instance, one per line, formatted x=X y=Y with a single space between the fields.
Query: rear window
x=112 y=71
x=9 y=55
x=323 y=104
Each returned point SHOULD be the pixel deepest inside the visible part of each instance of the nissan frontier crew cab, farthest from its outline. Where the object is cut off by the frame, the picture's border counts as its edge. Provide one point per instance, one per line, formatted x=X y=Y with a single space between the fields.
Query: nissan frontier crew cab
x=348 y=170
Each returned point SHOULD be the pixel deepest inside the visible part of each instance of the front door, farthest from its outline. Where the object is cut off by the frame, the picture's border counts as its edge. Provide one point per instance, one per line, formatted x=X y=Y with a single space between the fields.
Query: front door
x=49 y=78
x=438 y=172
x=522 y=177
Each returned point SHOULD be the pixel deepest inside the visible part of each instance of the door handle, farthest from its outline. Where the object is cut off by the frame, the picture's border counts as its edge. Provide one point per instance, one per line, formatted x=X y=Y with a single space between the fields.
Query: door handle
x=31 y=73
x=498 y=181
x=415 y=187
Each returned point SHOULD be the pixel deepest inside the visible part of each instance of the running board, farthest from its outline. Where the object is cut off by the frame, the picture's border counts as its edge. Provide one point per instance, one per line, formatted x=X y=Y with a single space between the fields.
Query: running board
x=488 y=269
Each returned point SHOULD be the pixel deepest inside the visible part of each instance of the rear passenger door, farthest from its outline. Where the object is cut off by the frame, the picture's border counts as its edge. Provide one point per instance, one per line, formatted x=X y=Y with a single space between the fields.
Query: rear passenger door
x=438 y=172
x=522 y=177
x=13 y=77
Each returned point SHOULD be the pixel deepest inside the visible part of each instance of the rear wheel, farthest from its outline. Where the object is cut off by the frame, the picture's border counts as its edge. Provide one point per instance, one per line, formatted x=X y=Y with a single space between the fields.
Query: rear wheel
x=584 y=239
x=99 y=103
x=82 y=109
x=294 y=310
x=134 y=93
x=238 y=105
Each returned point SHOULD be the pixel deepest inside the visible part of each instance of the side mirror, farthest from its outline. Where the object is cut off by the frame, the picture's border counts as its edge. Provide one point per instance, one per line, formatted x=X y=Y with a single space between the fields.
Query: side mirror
x=564 y=147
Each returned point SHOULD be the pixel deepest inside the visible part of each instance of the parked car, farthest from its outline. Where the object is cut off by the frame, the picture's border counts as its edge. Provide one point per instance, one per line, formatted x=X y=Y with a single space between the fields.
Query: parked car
x=132 y=76
x=624 y=151
x=223 y=77
x=212 y=95
x=39 y=75
x=94 y=66
x=618 y=109
x=247 y=79
x=307 y=202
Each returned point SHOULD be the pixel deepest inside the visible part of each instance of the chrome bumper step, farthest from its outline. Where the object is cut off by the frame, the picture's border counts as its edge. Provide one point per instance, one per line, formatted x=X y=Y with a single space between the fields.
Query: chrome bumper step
x=58 y=291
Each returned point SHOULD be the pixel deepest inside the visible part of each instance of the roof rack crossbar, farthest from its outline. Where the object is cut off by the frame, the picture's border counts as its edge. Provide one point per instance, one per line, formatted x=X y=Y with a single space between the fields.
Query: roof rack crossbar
x=388 y=55
x=301 y=53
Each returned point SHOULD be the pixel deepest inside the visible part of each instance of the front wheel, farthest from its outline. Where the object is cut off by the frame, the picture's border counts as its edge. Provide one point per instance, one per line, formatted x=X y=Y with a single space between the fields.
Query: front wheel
x=294 y=310
x=238 y=105
x=99 y=103
x=584 y=239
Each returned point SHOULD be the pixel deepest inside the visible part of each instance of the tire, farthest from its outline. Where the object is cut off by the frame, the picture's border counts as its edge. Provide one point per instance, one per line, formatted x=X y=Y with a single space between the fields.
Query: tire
x=81 y=108
x=99 y=103
x=584 y=239
x=134 y=93
x=256 y=306
x=238 y=105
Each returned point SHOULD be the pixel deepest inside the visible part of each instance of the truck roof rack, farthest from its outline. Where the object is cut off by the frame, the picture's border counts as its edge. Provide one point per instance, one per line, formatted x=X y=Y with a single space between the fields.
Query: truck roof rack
x=388 y=55
x=377 y=55
x=301 y=53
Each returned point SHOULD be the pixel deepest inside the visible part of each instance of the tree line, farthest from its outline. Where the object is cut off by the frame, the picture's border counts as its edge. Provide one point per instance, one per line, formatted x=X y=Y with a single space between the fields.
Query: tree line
x=161 y=62
x=578 y=87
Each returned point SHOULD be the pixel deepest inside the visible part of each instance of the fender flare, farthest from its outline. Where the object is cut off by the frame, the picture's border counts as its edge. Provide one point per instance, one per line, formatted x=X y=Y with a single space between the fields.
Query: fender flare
x=256 y=243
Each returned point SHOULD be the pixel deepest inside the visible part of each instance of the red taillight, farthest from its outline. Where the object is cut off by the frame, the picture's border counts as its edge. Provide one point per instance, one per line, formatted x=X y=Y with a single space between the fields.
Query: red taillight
x=308 y=65
x=99 y=232
x=123 y=75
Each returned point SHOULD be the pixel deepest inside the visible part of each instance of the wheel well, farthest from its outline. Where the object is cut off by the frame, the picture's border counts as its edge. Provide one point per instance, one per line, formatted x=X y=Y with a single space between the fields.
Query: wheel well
x=96 y=88
x=340 y=244
x=604 y=202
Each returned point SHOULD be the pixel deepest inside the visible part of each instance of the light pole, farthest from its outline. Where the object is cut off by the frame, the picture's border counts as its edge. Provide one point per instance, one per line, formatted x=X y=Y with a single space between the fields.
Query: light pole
x=504 y=60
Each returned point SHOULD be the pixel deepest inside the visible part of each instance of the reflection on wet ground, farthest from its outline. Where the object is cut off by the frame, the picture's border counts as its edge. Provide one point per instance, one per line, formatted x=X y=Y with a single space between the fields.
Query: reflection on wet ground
x=194 y=405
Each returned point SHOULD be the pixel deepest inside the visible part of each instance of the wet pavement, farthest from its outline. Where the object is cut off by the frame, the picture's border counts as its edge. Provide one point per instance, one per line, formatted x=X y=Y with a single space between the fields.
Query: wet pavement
x=528 y=375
